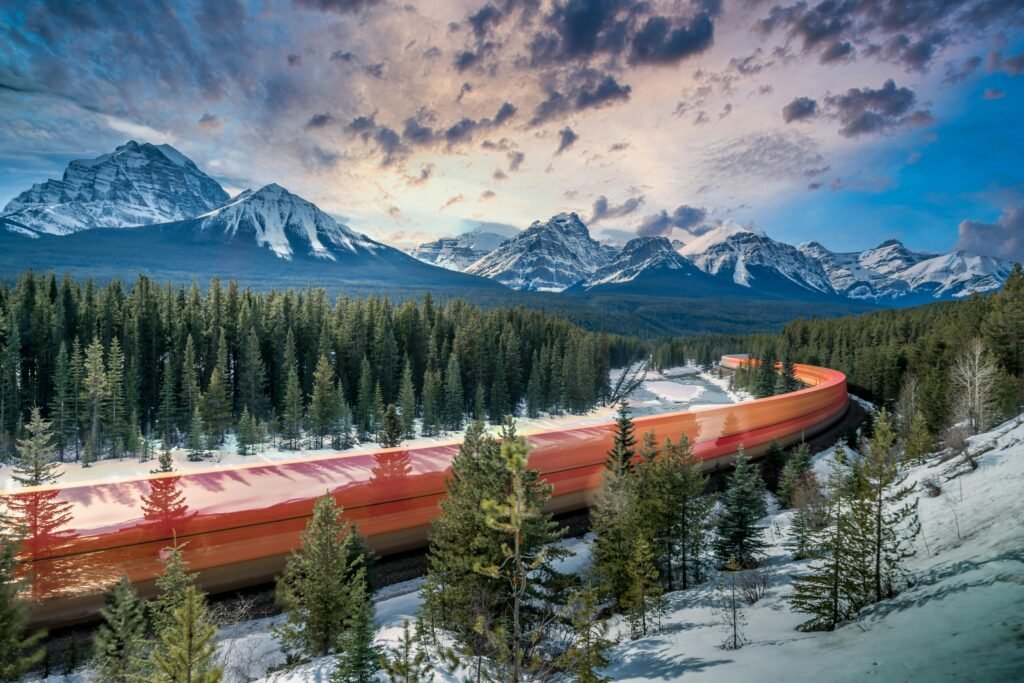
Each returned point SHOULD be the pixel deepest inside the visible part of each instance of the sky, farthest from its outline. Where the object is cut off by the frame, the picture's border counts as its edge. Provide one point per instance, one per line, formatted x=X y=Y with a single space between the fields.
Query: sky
x=847 y=122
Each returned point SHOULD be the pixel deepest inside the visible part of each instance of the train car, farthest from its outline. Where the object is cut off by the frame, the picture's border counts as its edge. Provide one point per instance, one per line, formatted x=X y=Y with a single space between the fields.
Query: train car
x=239 y=523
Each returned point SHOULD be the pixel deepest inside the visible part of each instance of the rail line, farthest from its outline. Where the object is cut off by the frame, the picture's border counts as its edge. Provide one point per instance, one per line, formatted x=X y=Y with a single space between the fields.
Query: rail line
x=239 y=523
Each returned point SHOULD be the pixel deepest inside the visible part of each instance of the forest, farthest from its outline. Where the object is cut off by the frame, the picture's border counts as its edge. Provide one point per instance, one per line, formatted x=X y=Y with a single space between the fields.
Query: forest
x=116 y=368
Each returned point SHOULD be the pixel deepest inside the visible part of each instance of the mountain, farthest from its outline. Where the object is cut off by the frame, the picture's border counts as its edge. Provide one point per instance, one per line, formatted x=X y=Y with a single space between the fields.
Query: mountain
x=136 y=184
x=547 y=257
x=458 y=253
x=751 y=259
x=894 y=274
x=650 y=265
x=286 y=224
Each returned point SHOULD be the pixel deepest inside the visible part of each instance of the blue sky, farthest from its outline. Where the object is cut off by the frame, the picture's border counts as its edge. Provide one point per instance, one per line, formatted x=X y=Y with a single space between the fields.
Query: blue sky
x=843 y=122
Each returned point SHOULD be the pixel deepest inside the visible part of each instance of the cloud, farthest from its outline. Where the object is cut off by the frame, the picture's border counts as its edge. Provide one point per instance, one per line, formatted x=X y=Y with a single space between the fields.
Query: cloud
x=318 y=121
x=499 y=174
x=337 y=6
x=766 y=155
x=602 y=209
x=994 y=94
x=515 y=160
x=659 y=42
x=425 y=174
x=662 y=223
x=294 y=60
x=583 y=89
x=210 y=121
x=1013 y=66
x=452 y=200
x=1004 y=238
x=505 y=112
x=619 y=147
x=866 y=110
x=139 y=131
x=487 y=195
x=566 y=138
x=801 y=108
x=958 y=73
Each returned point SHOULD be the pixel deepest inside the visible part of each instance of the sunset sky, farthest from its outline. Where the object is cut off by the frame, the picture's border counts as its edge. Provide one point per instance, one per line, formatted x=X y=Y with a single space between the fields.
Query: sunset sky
x=847 y=122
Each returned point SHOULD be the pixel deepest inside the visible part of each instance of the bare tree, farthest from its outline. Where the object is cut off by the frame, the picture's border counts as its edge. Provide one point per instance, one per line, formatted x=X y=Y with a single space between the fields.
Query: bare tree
x=633 y=375
x=974 y=377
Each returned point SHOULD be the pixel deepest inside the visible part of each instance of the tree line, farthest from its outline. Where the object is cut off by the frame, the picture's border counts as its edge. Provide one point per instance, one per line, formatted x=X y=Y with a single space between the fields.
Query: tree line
x=117 y=369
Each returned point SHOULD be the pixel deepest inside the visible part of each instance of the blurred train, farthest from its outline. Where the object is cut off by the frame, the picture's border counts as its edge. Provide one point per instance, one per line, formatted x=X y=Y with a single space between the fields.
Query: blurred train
x=239 y=523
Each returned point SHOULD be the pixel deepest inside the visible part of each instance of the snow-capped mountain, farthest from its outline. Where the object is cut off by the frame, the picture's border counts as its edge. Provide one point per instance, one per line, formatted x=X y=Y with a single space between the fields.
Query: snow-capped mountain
x=891 y=272
x=752 y=259
x=639 y=256
x=136 y=184
x=285 y=223
x=458 y=253
x=549 y=256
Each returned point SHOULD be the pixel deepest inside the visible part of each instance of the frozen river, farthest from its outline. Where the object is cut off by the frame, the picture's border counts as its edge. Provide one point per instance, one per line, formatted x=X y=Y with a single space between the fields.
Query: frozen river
x=677 y=389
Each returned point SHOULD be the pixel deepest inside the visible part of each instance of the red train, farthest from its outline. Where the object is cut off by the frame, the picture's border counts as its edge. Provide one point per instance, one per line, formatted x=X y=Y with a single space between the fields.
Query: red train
x=239 y=523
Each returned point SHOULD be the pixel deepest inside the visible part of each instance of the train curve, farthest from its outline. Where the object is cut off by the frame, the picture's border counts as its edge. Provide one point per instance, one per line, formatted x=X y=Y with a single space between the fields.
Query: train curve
x=240 y=523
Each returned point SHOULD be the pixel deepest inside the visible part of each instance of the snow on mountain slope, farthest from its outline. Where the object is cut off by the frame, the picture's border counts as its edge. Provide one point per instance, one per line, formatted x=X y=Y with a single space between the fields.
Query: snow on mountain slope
x=460 y=252
x=136 y=184
x=890 y=271
x=285 y=223
x=717 y=235
x=752 y=259
x=549 y=256
x=639 y=256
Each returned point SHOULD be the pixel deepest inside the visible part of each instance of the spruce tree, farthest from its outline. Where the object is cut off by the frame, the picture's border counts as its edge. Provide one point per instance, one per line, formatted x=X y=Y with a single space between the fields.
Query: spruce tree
x=186 y=648
x=116 y=417
x=588 y=653
x=323 y=405
x=431 y=403
x=197 y=437
x=408 y=662
x=291 y=417
x=620 y=457
x=33 y=462
x=95 y=396
x=535 y=390
x=643 y=600
x=919 y=440
x=190 y=393
x=165 y=463
x=454 y=405
x=216 y=409
x=119 y=642
x=245 y=437
x=61 y=404
x=613 y=521
x=252 y=375
x=500 y=401
x=772 y=464
x=19 y=650
x=407 y=401
x=167 y=417
x=172 y=583
x=740 y=540
x=315 y=591
x=797 y=465
x=390 y=434
x=809 y=520
x=359 y=659
x=364 y=401
x=377 y=412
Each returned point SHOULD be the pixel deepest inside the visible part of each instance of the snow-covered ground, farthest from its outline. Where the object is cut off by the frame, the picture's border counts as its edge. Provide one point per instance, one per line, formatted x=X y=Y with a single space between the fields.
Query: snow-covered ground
x=960 y=619
x=670 y=390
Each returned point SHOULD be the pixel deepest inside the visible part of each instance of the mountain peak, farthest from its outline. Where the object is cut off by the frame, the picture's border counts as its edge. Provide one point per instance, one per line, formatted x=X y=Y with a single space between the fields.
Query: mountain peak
x=136 y=184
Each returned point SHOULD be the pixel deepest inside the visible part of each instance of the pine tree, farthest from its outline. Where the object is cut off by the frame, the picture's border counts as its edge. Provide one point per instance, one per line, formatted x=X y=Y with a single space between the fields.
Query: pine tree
x=765 y=379
x=797 y=465
x=187 y=646
x=740 y=540
x=323 y=406
x=620 y=457
x=252 y=375
x=197 y=437
x=535 y=390
x=590 y=644
x=612 y=520
x=408 y=662
x=772 y=464
x=119 y=642
x=291 y=417
x=343 y=437
x=190 y=393
x=643 y=600
x=809 y=520
x=390 y=434
x=359 y=659
x=19 y=651
x=315 y=591
x=173 y=583
x=407 y=401
x=500 y=403
x=167 y=417
x=33 y=463
x=512 y=519
x=377 y=413
x=454 y=405
x=888 y=518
